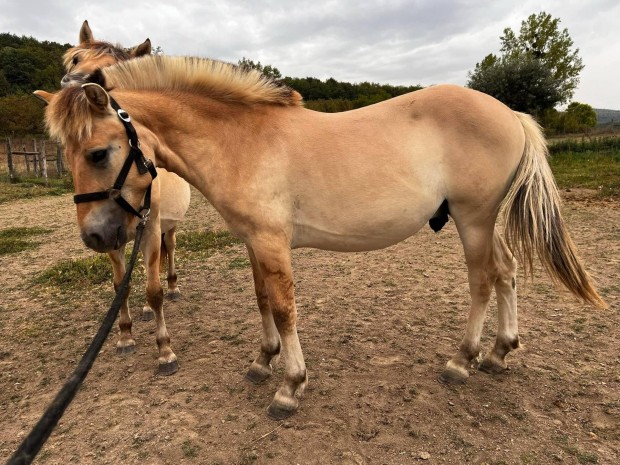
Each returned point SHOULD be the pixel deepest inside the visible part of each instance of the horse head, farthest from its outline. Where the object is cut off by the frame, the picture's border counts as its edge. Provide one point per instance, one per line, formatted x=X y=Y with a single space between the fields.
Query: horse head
x=81 y=61
x=109 y=165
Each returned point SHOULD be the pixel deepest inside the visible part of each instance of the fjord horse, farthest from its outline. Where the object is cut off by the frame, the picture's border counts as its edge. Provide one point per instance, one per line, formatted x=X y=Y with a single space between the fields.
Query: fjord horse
x=285 y=177
x=170 y=199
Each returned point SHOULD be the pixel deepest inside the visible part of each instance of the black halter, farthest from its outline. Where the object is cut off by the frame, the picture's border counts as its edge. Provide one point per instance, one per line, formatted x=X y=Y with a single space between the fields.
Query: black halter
x=143 y=164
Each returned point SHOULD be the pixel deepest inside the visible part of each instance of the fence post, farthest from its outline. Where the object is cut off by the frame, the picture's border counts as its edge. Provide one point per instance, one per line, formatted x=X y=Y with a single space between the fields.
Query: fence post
x=9 y=155
x=43 y=161
x=35 y=158
x=26 y=159
x=59 y=159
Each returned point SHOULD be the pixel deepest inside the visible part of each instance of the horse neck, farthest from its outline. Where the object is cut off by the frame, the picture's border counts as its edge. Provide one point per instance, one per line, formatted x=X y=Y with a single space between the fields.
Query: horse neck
x=199 y=139
x=189 y=140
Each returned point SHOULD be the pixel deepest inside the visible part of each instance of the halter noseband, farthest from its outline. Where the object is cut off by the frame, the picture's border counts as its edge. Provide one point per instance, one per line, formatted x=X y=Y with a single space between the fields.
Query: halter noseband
x=143 y=164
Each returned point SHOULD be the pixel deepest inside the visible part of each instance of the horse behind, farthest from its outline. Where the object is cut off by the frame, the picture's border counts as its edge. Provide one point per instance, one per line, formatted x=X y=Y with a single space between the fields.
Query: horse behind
x=285 y=177
x=170 y=201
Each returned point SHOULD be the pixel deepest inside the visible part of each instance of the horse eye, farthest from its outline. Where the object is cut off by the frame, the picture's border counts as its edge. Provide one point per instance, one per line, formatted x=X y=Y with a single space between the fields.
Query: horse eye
x=98 y=156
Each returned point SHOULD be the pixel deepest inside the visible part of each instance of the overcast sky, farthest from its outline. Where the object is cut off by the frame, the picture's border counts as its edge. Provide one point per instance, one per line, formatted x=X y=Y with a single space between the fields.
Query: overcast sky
x=387 y=41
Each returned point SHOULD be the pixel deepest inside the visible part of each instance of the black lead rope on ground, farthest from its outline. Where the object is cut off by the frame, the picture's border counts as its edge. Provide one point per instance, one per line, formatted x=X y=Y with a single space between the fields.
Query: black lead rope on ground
x=32 y=444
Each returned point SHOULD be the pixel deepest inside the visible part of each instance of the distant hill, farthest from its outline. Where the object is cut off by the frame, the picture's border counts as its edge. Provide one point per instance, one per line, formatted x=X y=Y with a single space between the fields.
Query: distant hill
x=607 y=117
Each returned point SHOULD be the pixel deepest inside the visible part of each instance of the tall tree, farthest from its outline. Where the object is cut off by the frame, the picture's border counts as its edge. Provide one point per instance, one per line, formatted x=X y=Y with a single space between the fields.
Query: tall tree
x=541 y=38
x=537 y=69
x=521 y=82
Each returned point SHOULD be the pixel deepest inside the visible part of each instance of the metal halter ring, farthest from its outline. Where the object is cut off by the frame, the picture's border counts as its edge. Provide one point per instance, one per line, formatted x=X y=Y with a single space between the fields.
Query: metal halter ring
x=122 y=114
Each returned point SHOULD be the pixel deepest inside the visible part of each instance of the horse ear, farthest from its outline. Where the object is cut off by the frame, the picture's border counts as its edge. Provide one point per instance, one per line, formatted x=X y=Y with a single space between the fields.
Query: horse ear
x=97 y=97
x=143 y=49
x=86 y=35
x=45 y=97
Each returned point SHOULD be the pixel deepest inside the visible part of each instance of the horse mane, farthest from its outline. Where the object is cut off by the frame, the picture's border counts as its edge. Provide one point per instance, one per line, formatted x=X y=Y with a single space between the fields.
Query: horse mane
x=95 y=48
x=212 y=78
x=68 y=115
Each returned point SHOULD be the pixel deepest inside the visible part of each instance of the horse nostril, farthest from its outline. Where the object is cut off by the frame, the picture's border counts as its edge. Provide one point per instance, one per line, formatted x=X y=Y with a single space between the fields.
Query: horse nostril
x=93 y=241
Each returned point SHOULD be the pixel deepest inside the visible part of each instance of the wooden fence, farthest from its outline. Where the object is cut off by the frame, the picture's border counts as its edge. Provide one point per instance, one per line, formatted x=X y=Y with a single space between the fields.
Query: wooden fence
x=27 y=158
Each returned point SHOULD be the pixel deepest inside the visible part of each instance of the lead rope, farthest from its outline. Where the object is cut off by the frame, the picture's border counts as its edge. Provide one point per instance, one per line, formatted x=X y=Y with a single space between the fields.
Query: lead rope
x=31 y=445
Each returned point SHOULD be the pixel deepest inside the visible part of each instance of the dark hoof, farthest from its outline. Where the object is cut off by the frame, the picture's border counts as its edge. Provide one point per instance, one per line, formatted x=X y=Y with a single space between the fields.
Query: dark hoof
x=125 y=350
x=174 y=296
x=277 y=412
x=491 y=368
x=170 y=368
x=256 y=377
x=148 y=315
x=452 y=377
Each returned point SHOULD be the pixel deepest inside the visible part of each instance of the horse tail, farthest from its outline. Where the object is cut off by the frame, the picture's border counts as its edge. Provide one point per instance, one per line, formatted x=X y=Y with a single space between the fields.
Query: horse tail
x=163 y=254
x=534 y=224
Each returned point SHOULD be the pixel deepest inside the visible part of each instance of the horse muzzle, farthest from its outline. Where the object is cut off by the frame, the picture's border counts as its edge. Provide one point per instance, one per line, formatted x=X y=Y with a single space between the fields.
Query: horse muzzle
x=73 y=79
x=105 y=239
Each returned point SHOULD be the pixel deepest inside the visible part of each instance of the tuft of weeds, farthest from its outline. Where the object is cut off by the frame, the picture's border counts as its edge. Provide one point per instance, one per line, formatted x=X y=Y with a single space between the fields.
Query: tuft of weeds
x=205 y=241
x=13 y=240
x=77 y=273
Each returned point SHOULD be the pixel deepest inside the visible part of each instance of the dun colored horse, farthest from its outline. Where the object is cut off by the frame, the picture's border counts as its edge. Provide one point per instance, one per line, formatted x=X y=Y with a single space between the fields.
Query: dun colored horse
x=171 y=197
x=285 y=177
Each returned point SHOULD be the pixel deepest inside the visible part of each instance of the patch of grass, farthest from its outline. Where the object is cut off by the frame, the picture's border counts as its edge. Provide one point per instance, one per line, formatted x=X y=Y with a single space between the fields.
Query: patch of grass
x=77 y=273
x=593 y=170
x=190 y=449
x=27 y=188
x=239 y=262
x=13 y=240
x=205 y=241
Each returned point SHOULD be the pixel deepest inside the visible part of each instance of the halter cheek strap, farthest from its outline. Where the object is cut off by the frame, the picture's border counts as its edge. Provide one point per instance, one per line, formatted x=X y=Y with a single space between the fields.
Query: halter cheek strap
x=143 y=165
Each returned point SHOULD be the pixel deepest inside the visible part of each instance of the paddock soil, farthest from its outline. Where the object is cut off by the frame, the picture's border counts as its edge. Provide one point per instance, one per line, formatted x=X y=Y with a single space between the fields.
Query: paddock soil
x=376 y=329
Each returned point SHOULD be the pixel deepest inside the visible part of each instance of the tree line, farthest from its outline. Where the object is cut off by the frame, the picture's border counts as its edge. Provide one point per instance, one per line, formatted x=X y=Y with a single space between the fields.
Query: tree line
x=538 y=69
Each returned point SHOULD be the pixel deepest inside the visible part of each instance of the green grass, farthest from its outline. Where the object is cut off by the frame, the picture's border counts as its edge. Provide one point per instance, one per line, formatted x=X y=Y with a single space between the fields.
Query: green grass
x=77 y=273
x=205 y=241
x=13 y=240
x=593 y=170
x=27 y=188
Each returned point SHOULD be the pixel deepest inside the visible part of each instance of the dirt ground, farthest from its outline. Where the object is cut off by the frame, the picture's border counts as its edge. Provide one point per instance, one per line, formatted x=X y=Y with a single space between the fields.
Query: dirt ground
x=376 y=329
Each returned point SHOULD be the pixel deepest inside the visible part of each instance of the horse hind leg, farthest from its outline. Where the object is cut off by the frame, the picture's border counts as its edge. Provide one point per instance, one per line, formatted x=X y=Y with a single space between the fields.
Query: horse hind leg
x=506 y=290
x=482 y=273
x=169 y=242
x=126 y=343
x=261 y=367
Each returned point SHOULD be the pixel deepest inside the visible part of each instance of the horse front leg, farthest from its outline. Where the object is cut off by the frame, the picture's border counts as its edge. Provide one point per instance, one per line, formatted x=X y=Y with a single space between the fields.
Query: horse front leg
x=170 y=242
x=507 y=338
x=126 y=343
x=261 y=367
x=151 y=248
x=274 y=262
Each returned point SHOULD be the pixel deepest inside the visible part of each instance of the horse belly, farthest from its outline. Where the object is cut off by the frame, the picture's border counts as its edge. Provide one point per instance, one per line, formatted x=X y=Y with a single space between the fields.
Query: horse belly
x=356 y=227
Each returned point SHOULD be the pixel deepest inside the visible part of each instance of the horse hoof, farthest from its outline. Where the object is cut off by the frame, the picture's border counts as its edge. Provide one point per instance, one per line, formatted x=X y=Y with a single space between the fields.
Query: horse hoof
x=278 y=412
x=170 y=368
x=148 y=315
x=174 y=295
x=491 y=368
x=125 y=350
x=450 y=376
x=257 y=376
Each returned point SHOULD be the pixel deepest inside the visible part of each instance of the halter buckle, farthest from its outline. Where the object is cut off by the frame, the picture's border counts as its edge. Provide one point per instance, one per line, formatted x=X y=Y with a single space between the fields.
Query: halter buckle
x=114 y=193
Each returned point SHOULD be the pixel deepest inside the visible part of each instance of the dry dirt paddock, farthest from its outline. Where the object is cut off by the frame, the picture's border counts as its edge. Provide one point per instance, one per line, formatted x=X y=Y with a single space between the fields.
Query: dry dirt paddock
x=376 y=329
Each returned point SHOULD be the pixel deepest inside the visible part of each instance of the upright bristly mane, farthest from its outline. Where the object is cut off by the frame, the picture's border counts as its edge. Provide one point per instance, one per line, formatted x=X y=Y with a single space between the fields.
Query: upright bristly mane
x=95 y=48
x=212 y=78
